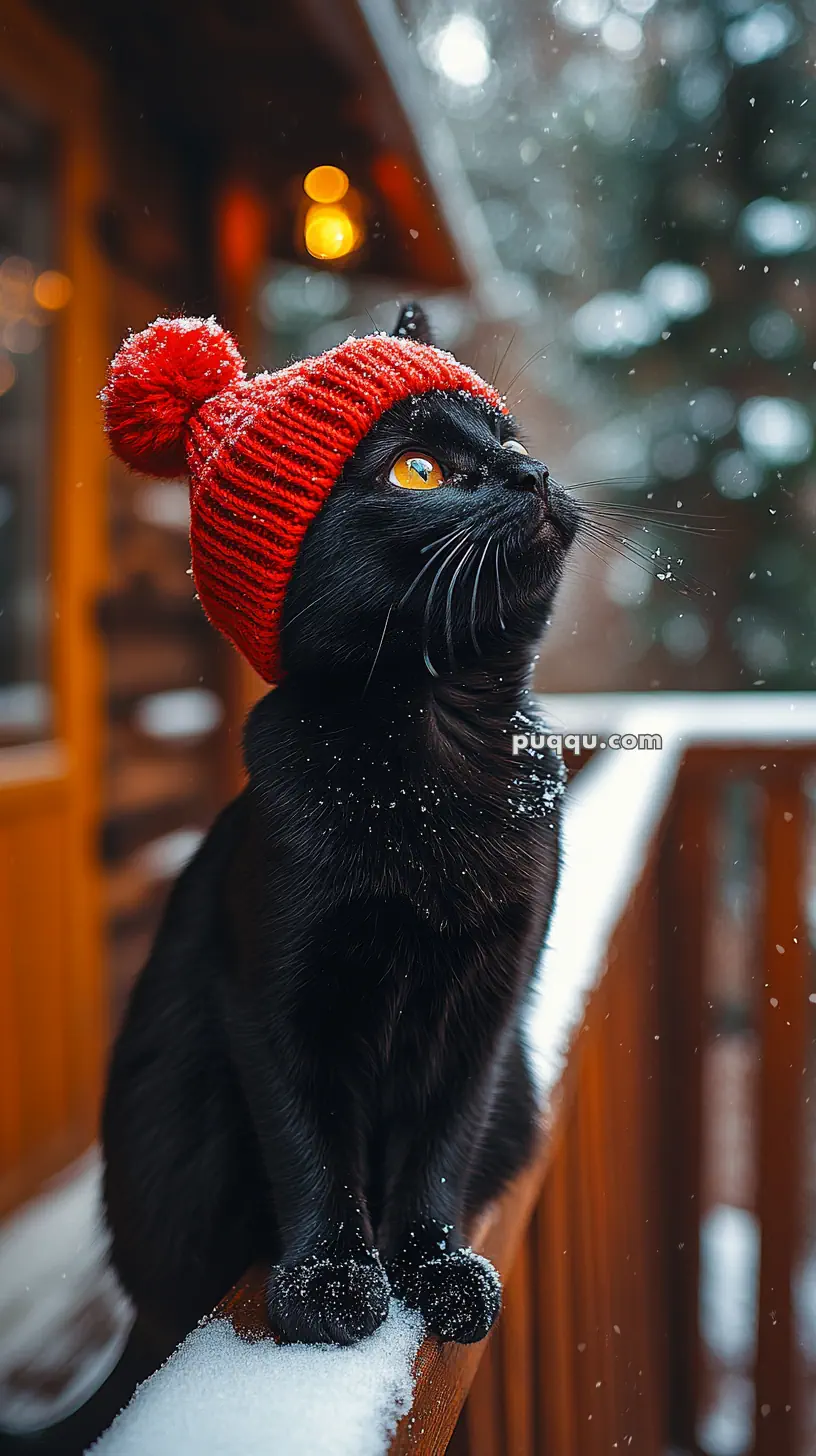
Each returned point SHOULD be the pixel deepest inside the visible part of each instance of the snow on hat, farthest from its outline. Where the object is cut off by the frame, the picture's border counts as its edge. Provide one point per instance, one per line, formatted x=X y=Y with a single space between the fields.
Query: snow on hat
x=262 y=454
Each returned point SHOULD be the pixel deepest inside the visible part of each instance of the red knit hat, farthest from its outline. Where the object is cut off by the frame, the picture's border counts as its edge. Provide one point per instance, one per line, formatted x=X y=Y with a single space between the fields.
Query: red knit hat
x=262 y=454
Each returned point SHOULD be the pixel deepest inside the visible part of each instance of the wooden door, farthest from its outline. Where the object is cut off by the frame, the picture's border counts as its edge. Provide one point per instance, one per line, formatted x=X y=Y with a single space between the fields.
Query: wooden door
x=52 y=457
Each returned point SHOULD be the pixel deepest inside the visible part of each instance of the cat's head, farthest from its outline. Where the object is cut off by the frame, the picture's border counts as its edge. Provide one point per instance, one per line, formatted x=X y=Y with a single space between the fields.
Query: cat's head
x=372 y=503
x=441 y=545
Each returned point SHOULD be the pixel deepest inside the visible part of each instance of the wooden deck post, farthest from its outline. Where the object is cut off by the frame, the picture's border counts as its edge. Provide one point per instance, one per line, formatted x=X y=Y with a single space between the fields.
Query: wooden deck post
x=684 y=877
x=783 y=1025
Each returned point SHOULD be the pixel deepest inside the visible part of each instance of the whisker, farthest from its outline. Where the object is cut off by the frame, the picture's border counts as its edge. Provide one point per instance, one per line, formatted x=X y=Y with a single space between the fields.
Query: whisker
x=440 y=540
x=508 y=572
x=608 y=479
x=670 y=581
x=537 y=355
x=637 y=509
x=315 y=601
x=608 y=535
x=427 y=614
x=449 y=605
x=495 y=357
x=648 y=513
x=497 y=371
x=502 y=623
x=686 y=585
x=417 y=579
x=473 y=596
x=379 y=650
x=603 y=517
x=593 y=551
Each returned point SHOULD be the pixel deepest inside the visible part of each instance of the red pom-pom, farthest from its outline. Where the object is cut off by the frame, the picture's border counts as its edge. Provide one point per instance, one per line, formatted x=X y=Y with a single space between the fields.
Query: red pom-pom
x=157 y=381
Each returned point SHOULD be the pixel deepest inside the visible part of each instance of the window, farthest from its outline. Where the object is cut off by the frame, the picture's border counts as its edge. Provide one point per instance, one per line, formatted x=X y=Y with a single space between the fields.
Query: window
x=29 y=294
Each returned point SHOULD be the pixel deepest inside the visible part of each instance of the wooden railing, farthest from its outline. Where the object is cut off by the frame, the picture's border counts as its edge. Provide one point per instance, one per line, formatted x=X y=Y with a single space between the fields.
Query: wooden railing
x=599 y=1346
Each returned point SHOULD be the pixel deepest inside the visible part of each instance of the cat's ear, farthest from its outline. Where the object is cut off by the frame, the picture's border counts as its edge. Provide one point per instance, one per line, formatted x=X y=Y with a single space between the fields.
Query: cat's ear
x=413 y=324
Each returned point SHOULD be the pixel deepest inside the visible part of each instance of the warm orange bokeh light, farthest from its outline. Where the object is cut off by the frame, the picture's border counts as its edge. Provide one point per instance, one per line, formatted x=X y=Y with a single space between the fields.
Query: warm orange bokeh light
x=52 y=290
x=329 y=232
x=326 y=184
x=8 y=374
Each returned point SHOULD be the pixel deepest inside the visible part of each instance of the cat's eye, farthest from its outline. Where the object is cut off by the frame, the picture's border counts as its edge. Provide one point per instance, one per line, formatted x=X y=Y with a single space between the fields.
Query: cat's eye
x=516 y=447
x=415 y=471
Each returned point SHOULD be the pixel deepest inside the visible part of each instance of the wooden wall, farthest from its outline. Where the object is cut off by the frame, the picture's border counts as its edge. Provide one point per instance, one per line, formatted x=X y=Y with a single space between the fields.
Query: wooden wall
x=52 y=990
x=94 y=821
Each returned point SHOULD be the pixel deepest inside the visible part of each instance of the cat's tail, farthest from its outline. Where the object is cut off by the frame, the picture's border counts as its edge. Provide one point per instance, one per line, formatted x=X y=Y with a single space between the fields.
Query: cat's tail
x=157 y=383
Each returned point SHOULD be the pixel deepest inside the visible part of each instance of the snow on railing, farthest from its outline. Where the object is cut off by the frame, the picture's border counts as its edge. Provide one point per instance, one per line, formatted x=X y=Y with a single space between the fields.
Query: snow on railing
x=221 y=1393
x=611 y=818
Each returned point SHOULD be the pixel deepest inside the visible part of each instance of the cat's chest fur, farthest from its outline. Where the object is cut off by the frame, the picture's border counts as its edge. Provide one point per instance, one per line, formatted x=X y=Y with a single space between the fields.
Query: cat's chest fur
x=455 y=826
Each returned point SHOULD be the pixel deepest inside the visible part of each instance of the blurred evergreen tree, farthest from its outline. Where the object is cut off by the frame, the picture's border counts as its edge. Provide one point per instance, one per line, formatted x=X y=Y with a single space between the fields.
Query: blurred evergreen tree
x=649 y=166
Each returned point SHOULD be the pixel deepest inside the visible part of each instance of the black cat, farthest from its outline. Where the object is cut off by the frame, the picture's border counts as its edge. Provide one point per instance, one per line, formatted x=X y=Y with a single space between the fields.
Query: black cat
x=322 y=1063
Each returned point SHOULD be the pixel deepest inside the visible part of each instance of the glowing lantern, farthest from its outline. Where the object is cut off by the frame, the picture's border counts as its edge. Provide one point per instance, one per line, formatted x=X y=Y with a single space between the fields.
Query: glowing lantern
x=329 y=232
x=326 y=184
x=331 y=224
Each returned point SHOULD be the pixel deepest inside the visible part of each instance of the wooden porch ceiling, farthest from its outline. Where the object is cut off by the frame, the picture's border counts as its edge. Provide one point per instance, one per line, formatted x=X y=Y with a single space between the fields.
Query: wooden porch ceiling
x=264 y=92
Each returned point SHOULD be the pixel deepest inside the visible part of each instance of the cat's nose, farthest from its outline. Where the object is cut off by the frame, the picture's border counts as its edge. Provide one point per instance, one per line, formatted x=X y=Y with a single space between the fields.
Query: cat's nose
x=530 y=476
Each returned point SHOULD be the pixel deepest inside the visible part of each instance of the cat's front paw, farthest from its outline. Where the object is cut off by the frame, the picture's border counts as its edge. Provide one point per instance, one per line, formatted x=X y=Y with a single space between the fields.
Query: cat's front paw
x=325 y=1300
x=458 y=1293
